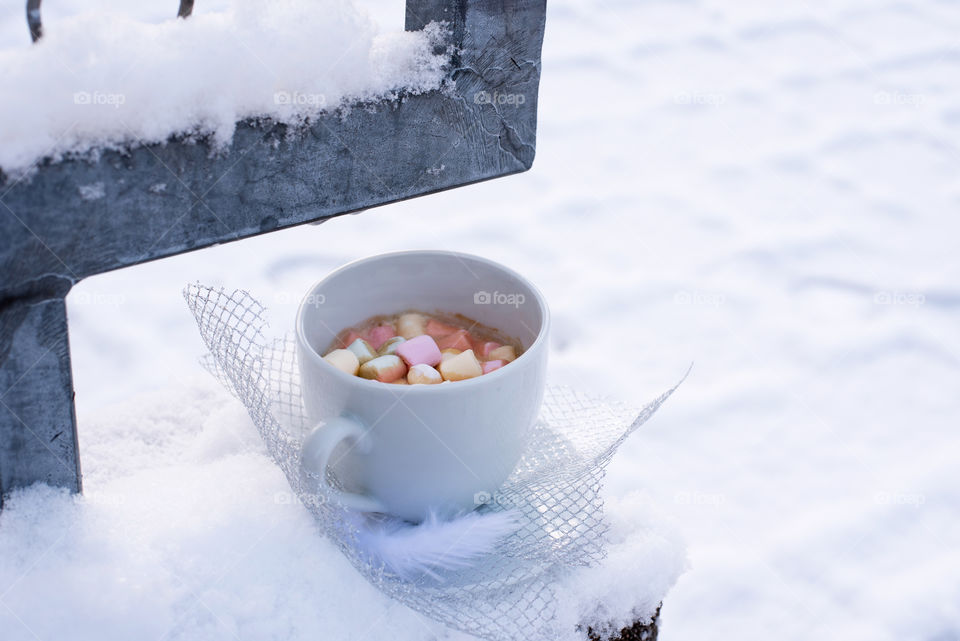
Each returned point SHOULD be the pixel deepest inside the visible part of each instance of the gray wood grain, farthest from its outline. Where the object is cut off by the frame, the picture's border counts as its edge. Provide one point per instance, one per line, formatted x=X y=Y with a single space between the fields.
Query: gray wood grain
x=33 y=20
x=38 y=437
x=185 y=9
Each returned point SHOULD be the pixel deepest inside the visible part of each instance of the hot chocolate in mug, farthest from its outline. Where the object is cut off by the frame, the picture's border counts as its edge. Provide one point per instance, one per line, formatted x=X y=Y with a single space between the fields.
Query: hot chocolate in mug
x=412 y=450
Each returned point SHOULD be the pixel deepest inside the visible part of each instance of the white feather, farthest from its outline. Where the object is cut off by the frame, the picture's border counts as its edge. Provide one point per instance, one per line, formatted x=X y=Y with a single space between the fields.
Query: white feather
x=415 y=550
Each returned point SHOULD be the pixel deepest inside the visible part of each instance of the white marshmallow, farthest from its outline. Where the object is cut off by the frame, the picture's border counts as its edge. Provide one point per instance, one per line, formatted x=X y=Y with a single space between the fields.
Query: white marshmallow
x=411 y=325
x=423 y=374
x=390 y=347
x=363 y=350
x=385 y=369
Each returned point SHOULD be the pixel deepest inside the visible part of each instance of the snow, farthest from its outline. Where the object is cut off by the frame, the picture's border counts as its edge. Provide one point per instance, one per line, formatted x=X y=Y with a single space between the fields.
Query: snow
x=187 y=530
x=192 y=534
x=93 y=191
x=102 y=77
x=721 y=183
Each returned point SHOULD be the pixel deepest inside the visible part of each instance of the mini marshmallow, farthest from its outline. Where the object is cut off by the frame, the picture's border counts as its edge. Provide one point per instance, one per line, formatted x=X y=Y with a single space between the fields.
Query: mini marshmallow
x=351 y=336
x=486 y=348
x=385 y=369
x=344 y=360
x=437 y=329
x=423 y=374
x=462 y=366
x=489 y=366
x=390 y=347
x=503 y=353
x=419 y=349
x=411 y=325
x=448 y=353
x=460 y=339
x=363 y=350
x=380 y=334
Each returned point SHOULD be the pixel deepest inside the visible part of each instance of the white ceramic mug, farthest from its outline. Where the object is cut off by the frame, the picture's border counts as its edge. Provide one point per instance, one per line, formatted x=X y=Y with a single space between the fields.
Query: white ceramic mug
x=409 y=450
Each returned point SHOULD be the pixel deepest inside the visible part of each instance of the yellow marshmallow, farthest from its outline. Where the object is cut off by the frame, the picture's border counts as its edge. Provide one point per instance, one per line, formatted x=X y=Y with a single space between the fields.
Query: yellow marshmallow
x=504 y=353
x=448 y=353
x=461 y=366
x=344 y=360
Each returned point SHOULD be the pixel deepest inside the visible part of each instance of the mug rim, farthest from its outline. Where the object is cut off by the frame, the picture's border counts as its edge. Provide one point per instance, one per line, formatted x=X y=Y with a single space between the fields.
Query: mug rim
x=429 y=389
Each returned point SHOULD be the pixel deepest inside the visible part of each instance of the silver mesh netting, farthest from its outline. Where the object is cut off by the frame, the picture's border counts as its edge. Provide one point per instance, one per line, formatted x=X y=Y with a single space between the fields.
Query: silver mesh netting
x=555 y=489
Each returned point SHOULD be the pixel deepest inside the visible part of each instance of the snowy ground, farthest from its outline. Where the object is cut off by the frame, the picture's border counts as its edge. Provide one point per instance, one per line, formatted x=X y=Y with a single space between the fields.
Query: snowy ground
x=766 y=189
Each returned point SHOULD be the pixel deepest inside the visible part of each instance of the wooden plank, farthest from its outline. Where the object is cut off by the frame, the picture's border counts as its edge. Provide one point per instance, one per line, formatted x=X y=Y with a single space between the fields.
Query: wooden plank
x=161 y=200
x=38 y=439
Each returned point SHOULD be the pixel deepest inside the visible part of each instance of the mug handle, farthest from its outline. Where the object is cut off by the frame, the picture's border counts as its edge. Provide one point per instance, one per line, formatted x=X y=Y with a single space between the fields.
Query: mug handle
x=315 y=457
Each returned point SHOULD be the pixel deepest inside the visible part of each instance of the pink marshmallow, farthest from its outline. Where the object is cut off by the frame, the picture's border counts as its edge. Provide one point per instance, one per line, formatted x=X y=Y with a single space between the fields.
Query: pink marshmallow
x=351 y=336
x=489 y=366
x=460 y=339
x=380 y=335
x=487 y=347
x=437 y=329
x=419 y=350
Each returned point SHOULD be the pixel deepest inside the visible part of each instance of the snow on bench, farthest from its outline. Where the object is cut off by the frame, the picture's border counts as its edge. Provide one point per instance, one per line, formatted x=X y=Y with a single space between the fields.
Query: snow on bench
x=102 y=80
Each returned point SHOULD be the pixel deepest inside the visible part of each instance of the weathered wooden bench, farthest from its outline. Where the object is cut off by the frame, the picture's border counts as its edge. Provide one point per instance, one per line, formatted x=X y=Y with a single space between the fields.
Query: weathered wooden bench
x=52 y=238
x=415 y=145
